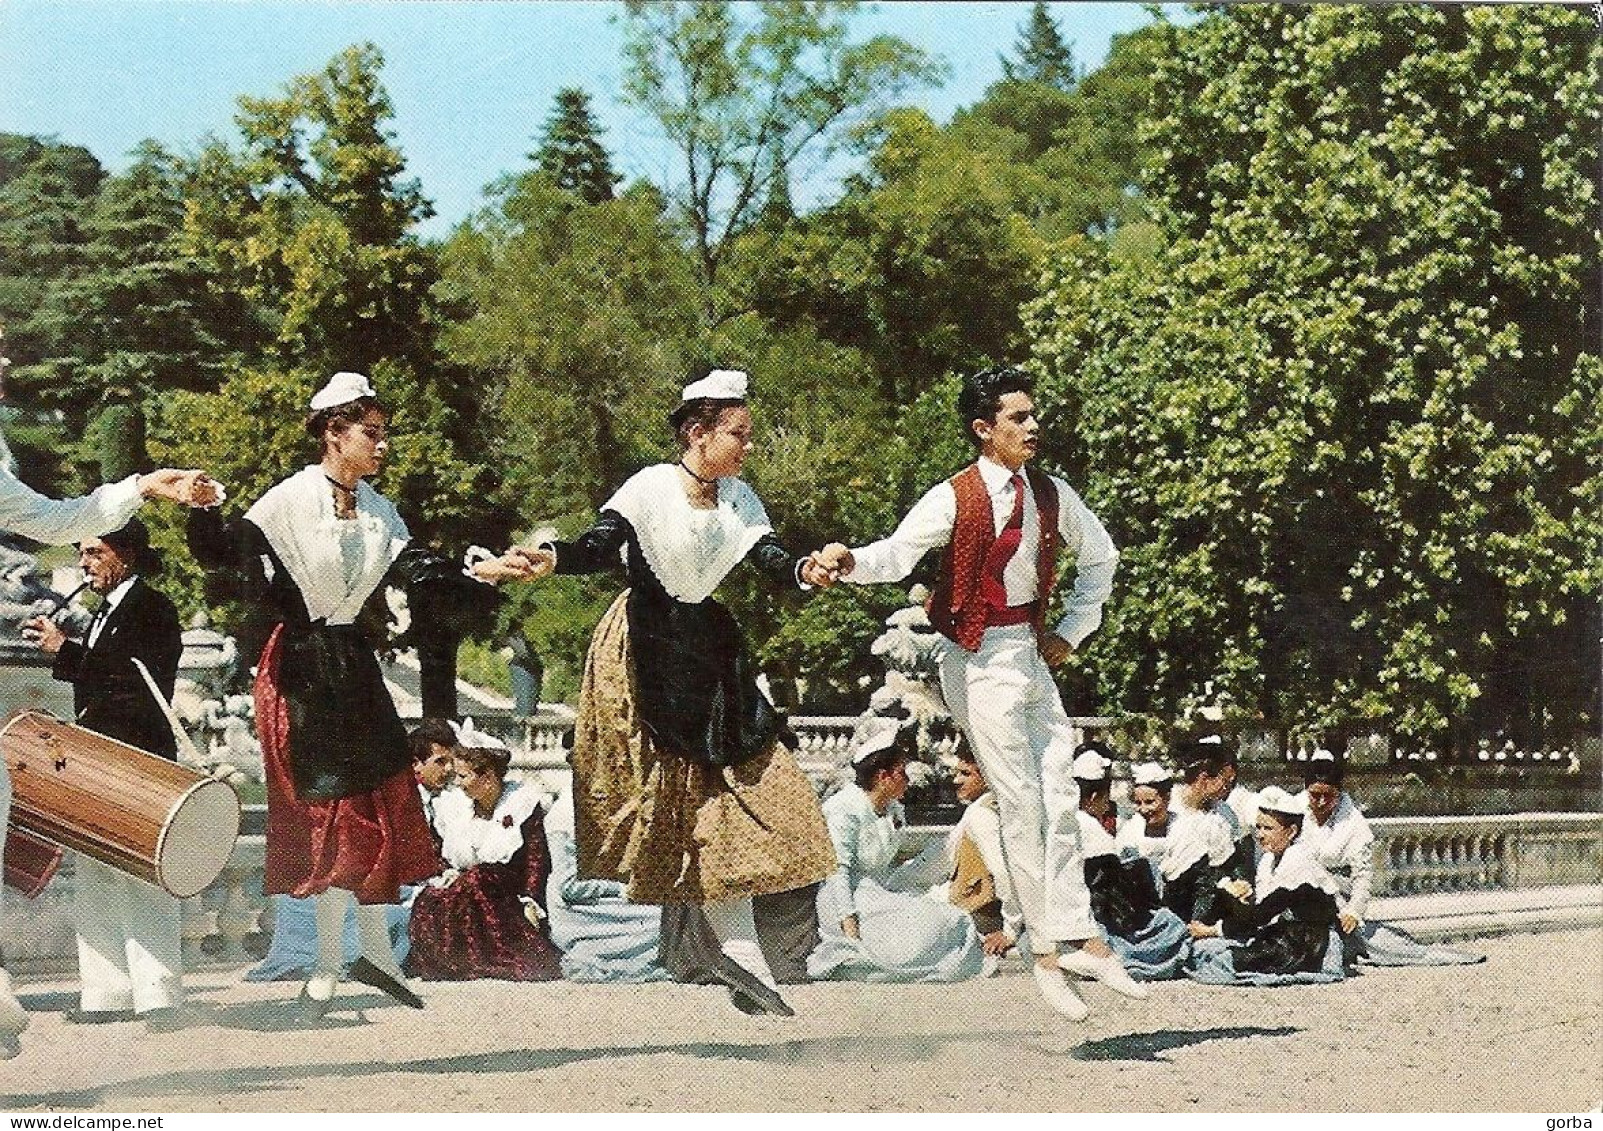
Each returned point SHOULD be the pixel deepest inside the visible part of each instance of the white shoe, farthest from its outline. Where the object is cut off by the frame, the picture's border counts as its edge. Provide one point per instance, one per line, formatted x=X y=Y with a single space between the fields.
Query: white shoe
x=1059 y=994
x=13 y=1019
x=1106 y=969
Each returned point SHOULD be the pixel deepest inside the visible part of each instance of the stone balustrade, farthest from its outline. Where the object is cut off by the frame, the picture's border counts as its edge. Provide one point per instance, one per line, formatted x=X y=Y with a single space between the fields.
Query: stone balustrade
x=228 y=925
x=1425 y=855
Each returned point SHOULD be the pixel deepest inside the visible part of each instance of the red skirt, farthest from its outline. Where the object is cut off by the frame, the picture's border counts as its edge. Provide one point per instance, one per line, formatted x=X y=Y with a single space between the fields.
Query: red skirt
x=369 y=843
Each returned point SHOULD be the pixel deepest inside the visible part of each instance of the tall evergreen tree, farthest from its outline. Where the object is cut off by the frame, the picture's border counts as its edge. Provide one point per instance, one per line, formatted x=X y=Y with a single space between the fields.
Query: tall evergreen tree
x=142 y=318
x=1044 y=56
x=571 y=153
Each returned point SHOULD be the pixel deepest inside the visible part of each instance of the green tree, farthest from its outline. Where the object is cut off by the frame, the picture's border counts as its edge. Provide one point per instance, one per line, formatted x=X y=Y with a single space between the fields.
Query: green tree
x=922 y=265
x=743 y=99
x=313 y=221
x=571 y=153
x=1044 y=56
x=578 y=320
x=142 y=318
x=46 y=192
x=1346 y=425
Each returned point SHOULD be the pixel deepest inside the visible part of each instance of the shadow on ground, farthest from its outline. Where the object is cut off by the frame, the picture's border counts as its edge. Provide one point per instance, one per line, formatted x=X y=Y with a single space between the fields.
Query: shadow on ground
x=877 y=1048
x=1151 y=1046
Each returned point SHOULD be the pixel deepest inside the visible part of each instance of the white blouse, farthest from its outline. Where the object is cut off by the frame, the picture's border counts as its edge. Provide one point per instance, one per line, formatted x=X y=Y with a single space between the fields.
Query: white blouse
x=866 y=842
x=467 y=840
x=1192 y=835
x=335 y=563
x=1344 y=845
x=690 y=549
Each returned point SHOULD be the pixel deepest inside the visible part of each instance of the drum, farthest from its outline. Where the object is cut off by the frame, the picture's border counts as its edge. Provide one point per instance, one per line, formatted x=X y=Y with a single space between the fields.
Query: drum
x=161 y=822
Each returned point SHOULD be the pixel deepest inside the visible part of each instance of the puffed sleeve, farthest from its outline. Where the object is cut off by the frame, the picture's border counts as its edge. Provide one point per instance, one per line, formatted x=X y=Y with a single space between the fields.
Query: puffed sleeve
x=596 y=549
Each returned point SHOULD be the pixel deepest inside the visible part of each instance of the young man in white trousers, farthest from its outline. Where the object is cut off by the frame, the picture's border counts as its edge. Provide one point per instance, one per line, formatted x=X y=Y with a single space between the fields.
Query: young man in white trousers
x=1002 y=527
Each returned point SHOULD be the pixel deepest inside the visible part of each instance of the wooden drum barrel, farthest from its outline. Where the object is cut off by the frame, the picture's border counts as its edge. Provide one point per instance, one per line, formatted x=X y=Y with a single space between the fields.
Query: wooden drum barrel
x=161 y=822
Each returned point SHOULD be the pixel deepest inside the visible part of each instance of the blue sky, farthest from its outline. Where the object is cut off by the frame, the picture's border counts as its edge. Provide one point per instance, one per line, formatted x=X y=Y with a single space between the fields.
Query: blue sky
x=471 y=82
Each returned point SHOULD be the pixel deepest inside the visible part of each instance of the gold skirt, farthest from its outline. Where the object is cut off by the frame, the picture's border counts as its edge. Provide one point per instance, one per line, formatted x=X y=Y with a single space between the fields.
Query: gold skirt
x=672 y=829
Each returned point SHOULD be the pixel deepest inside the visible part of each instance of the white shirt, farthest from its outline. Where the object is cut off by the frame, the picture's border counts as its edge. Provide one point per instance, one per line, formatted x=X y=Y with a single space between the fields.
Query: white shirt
x=108 y=606
x=929 y=526
x=59 y=522
x=1345 y=846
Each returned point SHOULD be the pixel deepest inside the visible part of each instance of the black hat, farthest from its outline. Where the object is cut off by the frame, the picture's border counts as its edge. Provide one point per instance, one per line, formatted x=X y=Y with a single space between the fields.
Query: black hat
x=132 y=544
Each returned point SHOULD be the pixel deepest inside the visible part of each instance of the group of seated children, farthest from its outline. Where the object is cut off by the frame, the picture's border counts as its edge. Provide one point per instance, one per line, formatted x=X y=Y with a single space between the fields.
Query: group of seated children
x=1204 y=879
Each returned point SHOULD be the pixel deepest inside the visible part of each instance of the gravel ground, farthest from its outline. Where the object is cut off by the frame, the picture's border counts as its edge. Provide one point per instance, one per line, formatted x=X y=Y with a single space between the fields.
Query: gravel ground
x=1519 y=1033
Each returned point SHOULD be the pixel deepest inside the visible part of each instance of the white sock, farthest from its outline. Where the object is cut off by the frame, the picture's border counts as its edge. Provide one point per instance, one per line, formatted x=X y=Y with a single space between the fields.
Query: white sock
x=736 y=930
x=331 y=907
x=373 y=928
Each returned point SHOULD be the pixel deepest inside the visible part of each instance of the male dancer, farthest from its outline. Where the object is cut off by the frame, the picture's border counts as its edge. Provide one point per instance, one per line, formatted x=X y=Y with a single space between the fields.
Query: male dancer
x=1003 y=527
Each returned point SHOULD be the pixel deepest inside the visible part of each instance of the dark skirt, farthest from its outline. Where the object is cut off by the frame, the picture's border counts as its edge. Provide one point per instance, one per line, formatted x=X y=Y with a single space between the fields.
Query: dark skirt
x=369 y=842
x=478 y=925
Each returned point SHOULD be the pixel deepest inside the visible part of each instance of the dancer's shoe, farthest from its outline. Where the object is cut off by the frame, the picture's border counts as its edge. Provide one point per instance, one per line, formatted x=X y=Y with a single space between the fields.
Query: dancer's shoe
x=743 y=983
x=366 y=972
x=1106 y=969
x=1058 y=993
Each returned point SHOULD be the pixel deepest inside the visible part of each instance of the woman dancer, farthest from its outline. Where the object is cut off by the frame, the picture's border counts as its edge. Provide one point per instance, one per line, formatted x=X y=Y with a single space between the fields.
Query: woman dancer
x=343 y=815
x=683 y=790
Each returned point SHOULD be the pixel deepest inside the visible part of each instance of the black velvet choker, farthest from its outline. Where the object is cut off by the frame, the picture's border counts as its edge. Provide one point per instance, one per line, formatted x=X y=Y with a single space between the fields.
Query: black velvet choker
x=697 y=478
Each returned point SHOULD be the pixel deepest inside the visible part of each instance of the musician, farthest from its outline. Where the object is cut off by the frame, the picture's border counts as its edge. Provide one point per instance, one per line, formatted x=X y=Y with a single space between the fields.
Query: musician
x=58 y=522
x=128 y=939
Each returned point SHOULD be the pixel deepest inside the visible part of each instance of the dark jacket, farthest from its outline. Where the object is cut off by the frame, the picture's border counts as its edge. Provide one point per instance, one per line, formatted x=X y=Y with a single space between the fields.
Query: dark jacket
x=108 y=693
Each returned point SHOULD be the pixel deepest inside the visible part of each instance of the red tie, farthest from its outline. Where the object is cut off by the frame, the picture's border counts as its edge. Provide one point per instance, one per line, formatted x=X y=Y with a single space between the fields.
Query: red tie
x=1003 y=549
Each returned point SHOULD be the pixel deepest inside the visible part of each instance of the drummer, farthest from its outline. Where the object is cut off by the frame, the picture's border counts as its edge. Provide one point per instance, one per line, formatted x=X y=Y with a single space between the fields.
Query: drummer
x=129 y=959
x=58 y=522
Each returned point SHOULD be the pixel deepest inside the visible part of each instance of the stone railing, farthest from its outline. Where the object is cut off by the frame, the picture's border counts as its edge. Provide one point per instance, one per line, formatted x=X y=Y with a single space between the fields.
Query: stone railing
x=1422 y=855
x=228 y=925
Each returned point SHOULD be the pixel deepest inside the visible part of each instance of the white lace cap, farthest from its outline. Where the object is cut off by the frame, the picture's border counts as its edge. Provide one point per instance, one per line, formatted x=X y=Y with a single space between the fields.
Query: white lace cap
x=1273 y=799
x=342 y=388
x=467 y=735
x=1091 y=766
x=880 y=734
x=719 y=385
x=1150 y=773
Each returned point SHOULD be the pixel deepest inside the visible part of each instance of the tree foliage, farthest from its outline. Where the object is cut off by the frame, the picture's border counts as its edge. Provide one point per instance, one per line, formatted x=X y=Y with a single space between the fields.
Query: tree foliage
x=571 y=154
x=1042 y=55
x=743 y=99
x=1345 y=427
x=312 y=220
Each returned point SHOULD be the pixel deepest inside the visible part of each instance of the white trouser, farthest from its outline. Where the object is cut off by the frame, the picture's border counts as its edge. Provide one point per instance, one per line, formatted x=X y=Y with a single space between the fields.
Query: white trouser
x=128 y=941
x=1005 y=700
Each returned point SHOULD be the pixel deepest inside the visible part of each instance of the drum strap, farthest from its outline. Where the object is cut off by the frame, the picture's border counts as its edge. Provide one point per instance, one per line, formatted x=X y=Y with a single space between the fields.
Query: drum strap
x=186 y=745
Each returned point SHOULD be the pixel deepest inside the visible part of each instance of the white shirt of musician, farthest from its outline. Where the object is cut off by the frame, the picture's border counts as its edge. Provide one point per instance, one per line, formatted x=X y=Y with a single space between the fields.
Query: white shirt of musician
x=929 y=526
x=108 y=606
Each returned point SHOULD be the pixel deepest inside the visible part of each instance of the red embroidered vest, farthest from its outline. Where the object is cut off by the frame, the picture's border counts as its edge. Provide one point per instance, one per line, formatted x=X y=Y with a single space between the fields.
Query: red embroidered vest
x=956 y=609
